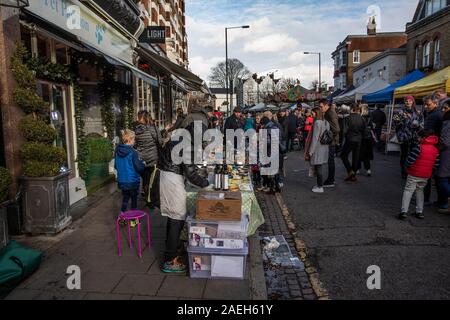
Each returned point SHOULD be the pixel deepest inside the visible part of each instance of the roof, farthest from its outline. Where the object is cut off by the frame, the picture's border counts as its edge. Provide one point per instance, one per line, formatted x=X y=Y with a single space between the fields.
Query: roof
x=370 y=43
x=389 y=52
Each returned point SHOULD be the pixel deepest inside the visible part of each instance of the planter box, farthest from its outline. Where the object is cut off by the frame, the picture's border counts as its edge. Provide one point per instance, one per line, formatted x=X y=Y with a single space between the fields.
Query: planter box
x=4 y=236
x=45 y=204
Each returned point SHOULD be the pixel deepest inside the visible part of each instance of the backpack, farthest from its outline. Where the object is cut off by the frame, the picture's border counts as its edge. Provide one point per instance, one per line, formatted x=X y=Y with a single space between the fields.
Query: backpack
x=327 y=137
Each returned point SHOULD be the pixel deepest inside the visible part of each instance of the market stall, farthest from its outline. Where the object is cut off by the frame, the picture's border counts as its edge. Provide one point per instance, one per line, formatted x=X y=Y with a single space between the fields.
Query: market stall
x=386 y=95
x=426 y=86
x=355 y=95
x=220 y=219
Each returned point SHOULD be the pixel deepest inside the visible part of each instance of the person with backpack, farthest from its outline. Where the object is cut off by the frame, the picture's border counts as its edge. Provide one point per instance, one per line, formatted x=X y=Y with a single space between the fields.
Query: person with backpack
x=352 y=144
x=331 y=117
x=317 y=152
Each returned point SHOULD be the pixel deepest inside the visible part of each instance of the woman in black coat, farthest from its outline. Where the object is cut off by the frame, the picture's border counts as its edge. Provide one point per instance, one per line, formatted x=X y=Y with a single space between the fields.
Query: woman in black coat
x=366 y=153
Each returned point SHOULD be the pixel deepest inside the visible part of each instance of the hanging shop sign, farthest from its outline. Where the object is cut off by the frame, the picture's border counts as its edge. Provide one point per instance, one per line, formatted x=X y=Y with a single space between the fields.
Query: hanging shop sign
x=154 y=35
x=76 y=18
x=295 y=93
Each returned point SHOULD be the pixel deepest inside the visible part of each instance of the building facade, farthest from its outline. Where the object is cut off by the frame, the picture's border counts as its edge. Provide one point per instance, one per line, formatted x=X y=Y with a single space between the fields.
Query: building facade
x=171 y=15
x=357 y=49
x=428 y=47
x=89 y=50
x=389 y=66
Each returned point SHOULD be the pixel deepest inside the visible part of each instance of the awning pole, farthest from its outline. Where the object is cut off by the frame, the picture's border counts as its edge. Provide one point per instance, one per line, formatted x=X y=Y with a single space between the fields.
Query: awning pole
x=391 y=116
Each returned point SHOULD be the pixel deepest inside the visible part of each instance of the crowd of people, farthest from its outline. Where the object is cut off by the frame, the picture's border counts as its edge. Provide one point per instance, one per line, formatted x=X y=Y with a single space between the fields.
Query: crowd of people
x=322 y=132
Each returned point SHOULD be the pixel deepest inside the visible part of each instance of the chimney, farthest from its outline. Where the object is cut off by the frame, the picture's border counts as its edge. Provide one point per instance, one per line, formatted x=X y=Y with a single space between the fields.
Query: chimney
x=372 y=27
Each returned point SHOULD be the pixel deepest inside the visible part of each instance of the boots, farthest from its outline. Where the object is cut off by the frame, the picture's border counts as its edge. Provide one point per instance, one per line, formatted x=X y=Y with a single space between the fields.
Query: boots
x=351 y=177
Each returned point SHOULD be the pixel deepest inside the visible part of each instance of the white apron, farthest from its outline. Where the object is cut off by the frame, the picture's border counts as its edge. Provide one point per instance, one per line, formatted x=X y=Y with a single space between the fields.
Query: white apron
x=173 y=196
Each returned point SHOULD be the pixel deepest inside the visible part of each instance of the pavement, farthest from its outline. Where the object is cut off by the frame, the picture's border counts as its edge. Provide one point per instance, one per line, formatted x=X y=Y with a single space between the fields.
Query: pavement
x=354 y=226
x=90 y=243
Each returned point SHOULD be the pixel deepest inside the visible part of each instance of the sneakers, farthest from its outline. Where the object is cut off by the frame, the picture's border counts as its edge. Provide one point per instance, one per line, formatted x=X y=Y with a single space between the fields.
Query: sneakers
x=329 y=184
x=369 y=173
x=174 y=266
x=403 y=216
x=419 y=216
x=318 y=190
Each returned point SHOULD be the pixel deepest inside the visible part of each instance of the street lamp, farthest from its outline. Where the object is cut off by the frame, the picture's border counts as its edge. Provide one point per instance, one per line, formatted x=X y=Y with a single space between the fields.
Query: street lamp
x=227 y=80
x=14 y=3
x=320 y=68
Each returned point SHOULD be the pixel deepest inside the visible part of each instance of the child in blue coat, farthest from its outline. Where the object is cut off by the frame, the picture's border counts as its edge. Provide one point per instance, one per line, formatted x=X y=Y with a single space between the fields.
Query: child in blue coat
x=129 y=167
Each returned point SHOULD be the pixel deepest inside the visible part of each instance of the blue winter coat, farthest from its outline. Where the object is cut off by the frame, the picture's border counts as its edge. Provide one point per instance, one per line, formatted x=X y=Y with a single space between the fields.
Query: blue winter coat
x=128 y=167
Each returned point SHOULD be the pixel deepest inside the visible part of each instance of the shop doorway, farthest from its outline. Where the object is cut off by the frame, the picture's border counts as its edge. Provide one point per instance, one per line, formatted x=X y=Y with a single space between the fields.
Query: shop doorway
x=57 y=95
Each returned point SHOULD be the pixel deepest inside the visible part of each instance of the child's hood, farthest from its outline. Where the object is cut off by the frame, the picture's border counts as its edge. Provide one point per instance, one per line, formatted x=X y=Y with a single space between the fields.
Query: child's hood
x=433 y=140
x=124 y=150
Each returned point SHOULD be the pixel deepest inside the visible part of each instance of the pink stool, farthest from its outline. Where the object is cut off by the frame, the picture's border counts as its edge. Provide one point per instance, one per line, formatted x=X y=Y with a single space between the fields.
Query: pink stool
x=128 y=217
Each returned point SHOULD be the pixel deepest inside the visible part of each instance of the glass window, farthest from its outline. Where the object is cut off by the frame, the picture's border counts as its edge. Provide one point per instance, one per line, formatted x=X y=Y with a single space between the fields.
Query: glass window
x=61 y=53
x=43 y=47
x=437 y=53
x=416 y=59
x=356 y=56
x=426 y=54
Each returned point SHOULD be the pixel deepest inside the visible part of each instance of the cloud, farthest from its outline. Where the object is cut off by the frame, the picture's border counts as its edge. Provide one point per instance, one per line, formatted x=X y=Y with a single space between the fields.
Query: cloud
x=281 y=30
x=271 y=43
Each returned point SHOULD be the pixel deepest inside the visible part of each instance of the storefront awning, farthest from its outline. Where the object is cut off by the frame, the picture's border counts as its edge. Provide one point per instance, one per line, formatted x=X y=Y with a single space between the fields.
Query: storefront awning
x=120 y=63
x=190 y=79
x=427 y=85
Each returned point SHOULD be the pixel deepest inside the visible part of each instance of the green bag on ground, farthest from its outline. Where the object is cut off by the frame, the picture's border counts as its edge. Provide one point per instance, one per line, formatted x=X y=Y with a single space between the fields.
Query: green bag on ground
x=16 y=264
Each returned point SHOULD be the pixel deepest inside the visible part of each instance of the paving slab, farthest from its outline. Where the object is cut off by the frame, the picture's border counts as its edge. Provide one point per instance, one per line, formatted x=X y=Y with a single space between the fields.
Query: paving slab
x=139 y=284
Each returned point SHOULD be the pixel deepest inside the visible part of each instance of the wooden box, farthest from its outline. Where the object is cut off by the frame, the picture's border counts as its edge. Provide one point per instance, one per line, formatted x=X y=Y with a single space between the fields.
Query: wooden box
x=219 y=206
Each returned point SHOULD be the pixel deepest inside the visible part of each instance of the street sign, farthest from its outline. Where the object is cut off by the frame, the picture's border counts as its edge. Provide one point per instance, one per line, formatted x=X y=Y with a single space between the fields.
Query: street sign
x=154 y=35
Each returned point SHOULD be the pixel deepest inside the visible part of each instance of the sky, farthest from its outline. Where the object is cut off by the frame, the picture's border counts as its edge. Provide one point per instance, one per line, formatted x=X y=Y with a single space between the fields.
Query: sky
x=281 y=30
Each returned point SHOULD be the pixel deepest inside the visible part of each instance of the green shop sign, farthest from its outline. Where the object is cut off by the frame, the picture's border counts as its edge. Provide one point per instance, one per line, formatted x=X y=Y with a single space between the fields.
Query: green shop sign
x=76 y=18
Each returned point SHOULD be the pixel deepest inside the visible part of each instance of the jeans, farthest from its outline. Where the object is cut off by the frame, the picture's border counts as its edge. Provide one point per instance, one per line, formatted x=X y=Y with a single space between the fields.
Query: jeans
x=414 y=185
x=173 y=242
x=444 y=190
x=127 y=194
x=319 y=175
x=354 y=148
x=290 y=142
x=331 y=164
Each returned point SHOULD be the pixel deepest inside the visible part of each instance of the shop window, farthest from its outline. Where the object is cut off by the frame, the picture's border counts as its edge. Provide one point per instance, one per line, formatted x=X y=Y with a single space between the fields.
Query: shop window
x=25 y=35
x=61 y=54
x=145 y=97
x=44 y=47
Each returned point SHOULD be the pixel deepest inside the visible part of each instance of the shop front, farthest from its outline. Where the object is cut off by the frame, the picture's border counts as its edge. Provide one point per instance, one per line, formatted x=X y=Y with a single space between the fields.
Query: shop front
x=85 y=72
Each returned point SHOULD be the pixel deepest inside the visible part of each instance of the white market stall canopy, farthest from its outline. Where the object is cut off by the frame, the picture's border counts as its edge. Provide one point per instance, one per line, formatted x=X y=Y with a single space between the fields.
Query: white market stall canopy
x=368 y=87
x=258 y=107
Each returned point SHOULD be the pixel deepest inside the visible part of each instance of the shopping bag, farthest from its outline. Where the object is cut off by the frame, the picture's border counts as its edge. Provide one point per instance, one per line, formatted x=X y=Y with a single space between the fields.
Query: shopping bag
x=16 y=264
x=312 y=172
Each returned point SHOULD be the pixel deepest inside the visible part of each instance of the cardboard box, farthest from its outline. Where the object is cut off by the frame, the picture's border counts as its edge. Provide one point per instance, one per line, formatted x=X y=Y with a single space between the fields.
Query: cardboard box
x=219 y=206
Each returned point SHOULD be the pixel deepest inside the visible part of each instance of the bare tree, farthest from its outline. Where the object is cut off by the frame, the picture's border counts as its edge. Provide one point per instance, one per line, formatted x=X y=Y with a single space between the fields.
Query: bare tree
x=236 y=70
x=323 y=86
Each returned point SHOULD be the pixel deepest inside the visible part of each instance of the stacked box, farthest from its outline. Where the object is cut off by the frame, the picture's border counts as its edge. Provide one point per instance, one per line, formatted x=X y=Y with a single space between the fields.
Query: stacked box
x=218 y=249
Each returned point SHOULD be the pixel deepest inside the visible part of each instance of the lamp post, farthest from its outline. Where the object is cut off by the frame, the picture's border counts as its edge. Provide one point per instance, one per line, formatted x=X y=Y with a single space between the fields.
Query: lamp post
x=320 y=68
x=227 y=80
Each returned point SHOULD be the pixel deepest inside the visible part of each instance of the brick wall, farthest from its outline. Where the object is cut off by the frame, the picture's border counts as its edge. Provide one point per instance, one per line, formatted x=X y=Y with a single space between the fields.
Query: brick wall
x=429 y=30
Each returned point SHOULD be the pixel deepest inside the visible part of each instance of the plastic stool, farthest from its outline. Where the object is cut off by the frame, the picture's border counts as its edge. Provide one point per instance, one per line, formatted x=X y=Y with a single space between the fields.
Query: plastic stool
x=128 y=217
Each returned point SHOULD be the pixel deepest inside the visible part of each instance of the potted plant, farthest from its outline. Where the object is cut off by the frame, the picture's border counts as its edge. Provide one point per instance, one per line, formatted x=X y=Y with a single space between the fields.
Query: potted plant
x=45 y=187
x=100 y=153
x=5 y=183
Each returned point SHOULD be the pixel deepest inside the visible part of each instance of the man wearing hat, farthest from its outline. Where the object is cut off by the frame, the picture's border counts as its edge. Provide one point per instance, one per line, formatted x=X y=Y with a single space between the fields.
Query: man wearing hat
x=235 y=121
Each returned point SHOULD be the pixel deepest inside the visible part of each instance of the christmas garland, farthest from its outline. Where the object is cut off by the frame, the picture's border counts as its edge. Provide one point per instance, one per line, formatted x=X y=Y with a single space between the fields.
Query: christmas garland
x=83 y=150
